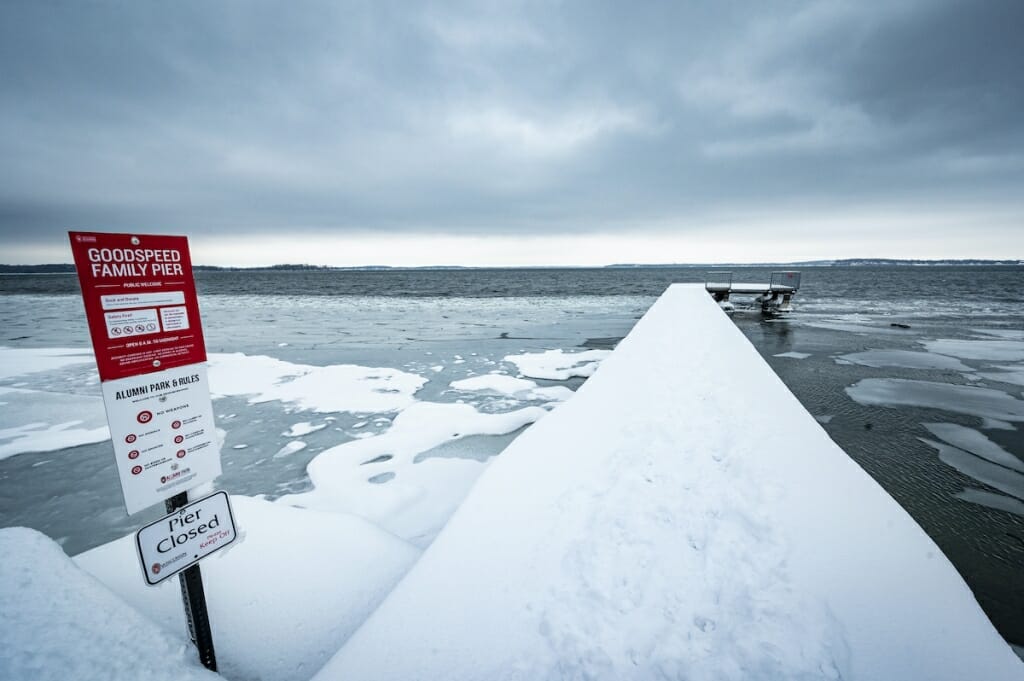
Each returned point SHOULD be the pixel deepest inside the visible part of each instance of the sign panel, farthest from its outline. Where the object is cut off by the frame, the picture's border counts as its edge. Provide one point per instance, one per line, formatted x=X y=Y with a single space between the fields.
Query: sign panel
x=162 y=428
x=181 y=539
x=140 y=300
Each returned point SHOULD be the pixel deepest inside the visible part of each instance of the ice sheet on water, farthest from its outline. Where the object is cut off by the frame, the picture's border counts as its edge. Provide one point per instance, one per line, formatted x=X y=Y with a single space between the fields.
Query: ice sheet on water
x=976 y=443
x=1009 y=334
x=1007 y=374
x=303 y=428
x=962 y=399
x=996 y=424
x=22 y=361
x=558 y=365
x=993 y=475
x=1000 y=502
x=906 y=359
x=417 y=501
x=74 y=420
x=335 y=388
x=995 y=350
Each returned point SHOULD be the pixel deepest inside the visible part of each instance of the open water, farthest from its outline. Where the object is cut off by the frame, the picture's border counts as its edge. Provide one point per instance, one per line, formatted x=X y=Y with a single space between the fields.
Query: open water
x=871 y=352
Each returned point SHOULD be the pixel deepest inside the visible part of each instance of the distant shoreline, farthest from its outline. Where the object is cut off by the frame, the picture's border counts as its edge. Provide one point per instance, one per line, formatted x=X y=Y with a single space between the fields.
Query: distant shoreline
x=68 y=268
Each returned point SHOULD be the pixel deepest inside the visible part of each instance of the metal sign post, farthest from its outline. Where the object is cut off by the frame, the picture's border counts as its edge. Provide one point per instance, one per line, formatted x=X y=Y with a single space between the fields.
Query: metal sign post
x=194 y=599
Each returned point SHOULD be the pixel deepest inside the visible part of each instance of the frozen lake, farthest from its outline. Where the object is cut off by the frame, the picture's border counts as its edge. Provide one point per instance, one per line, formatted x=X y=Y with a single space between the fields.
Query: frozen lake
x=932 y=409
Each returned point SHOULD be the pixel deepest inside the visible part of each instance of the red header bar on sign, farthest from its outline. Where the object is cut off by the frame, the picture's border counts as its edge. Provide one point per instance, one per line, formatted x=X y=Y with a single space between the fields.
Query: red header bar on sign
x=140 y=300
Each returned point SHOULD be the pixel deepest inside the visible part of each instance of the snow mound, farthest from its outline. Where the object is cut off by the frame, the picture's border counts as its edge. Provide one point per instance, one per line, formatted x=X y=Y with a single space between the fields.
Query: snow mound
x=281 y=600
x=637 y=533
x=58 y=623
x=336 y=388
x=379 y=478
x=557 y=365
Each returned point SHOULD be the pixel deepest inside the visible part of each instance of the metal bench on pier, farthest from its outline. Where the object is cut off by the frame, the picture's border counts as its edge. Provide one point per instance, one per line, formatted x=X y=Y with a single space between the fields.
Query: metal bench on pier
x=775 y=296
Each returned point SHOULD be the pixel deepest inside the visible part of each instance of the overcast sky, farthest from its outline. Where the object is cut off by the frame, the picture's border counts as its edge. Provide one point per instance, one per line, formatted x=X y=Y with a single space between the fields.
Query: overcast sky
x=515 y=133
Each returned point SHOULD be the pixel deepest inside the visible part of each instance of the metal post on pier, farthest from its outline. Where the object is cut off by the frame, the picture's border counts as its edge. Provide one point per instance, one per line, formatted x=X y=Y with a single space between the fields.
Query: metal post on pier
x=194 y=599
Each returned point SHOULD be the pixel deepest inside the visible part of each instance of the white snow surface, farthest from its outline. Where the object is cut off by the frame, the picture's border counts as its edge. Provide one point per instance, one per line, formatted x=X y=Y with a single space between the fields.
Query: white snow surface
x=339 y=387
x=419 y=495
x=638 y=533
x=509 y=385
x=57 y=623
x=558 y=365
x=282 y=599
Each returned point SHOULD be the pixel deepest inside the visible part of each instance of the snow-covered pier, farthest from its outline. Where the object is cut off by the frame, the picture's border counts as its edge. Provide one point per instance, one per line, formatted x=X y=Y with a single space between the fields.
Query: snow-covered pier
x=775 y=296
x=663 y=524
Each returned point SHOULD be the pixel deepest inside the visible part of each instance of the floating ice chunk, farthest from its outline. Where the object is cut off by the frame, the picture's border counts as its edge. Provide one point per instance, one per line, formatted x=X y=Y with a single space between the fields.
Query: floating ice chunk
x=416 y=503
x=993 y=475
x=282 y=345
x=558 y=365
x=241 y=446
x=80 y=421
x=1000 y=502
x=554 y=393
x=57 y=623
x=282 y=601
x=793 y=355
x=498 y=383
x=303 y=428
x=290 y=448
x=996 y=424
x=1013 y=374
x=437 y=368
x=998 y=350
x=518 y=387
x=824 y=418
x=907 y=359
x=976 y=443
x=21 y=361
x=962 y=399
x=341 y=387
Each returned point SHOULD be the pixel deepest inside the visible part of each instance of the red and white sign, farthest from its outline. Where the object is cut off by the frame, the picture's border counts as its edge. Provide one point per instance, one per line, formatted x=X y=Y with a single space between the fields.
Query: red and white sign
x=183 y=538
x=161 y=425
x=140 y=300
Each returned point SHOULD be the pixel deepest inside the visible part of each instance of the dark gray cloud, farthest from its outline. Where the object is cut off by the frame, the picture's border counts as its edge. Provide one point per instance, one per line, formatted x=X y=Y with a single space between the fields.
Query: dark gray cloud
x=499 y=118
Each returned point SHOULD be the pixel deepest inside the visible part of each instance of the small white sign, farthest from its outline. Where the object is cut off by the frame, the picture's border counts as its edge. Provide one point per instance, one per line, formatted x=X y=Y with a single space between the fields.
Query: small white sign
x=162 y=428
x=129 y=323
x=127 y=300
x=181 y=539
